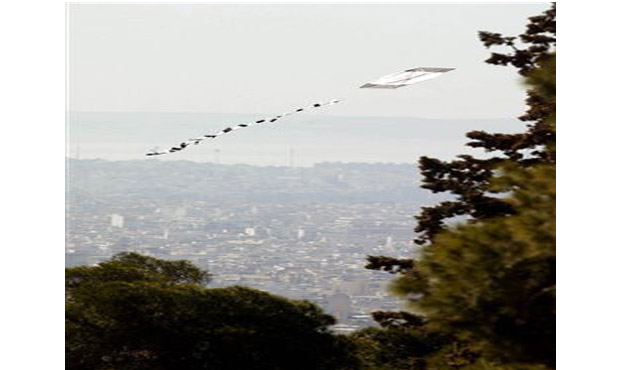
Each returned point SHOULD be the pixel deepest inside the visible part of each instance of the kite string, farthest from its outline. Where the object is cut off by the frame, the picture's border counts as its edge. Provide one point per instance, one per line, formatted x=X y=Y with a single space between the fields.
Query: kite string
x=198 y=140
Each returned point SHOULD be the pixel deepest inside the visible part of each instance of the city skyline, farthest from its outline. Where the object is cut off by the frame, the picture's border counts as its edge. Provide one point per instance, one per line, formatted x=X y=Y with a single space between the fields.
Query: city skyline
x=302 y=233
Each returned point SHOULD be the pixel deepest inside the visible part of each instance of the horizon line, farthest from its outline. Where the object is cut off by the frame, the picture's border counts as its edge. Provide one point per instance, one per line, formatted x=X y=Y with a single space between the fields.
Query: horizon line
x=308 y=113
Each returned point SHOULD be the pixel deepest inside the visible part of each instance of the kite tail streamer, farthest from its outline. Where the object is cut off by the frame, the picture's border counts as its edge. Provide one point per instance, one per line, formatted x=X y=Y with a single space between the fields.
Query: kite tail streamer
x=226 y=130
x=392 y=81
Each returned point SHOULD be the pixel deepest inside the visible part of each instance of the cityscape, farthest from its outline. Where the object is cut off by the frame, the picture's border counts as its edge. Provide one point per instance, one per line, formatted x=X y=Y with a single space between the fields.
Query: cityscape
x=302 y=233
x=222 y=212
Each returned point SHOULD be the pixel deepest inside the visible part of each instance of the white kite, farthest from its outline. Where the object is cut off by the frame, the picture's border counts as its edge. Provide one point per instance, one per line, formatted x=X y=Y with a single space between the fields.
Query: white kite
x=408 y=77
x=392 y=81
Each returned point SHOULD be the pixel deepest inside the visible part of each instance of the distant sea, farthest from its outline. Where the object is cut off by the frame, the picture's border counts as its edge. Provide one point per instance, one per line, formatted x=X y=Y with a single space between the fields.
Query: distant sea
x=302 y=140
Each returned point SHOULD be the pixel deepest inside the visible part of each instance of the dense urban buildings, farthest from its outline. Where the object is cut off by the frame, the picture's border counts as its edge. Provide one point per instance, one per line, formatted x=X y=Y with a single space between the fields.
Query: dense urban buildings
x=302 y=233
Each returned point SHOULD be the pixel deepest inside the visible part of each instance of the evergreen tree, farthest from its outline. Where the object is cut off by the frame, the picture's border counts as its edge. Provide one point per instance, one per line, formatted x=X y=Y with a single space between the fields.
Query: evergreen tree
x=490 y=282
x=468 y=178
x=493 y=282
x=407 y=342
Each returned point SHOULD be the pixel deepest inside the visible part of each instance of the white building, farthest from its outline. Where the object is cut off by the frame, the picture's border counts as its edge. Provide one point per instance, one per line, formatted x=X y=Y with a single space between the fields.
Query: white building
x=117 y=220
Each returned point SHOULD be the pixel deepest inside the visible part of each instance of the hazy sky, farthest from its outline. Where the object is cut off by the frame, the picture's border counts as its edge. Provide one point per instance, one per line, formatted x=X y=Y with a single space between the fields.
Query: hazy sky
x=270 y=58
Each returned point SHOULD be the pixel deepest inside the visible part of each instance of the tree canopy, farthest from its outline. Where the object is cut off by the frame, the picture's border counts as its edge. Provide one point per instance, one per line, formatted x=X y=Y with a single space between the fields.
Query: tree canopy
x=490 y=280
x=133 y=267
x=138 y=312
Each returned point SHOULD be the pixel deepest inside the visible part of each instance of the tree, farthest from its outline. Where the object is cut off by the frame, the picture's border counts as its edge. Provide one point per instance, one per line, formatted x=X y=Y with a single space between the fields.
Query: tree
x=131 y=267
x=468 y=178
x=406 y=342
x=490 y=281
x=137 y=312
x=493 y=282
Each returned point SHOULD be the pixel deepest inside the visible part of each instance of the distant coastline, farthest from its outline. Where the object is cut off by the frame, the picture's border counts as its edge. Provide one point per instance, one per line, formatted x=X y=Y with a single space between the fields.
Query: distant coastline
x=303 y=140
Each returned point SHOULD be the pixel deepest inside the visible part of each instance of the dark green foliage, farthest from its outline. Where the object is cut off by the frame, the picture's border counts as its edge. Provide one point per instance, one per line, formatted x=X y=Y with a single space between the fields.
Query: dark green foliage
x=119 y=316
x=130 y=267
x=411 y=348
x=468 y=178
x=395 y=349
x=392 y=319
x=389 y=264
x=539 y=39
x=489 y=283
x=494 y=282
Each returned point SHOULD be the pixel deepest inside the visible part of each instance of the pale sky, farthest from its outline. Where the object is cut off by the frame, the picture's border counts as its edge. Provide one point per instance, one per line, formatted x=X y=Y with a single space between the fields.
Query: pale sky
x=263 y=58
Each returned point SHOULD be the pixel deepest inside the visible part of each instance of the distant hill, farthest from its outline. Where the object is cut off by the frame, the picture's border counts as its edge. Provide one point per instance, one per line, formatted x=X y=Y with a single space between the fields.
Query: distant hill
x=304 y=139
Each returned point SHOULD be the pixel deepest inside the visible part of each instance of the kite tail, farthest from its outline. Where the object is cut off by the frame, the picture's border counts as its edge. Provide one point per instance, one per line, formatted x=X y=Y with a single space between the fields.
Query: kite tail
x=226 y=130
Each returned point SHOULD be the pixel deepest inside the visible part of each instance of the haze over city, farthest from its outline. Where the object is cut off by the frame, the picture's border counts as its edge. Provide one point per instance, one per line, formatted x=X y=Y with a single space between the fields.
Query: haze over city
x=156 y=74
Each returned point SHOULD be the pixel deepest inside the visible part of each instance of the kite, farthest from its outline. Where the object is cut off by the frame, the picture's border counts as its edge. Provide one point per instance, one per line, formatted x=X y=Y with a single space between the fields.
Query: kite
x=408 y=77
x=391 y=81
